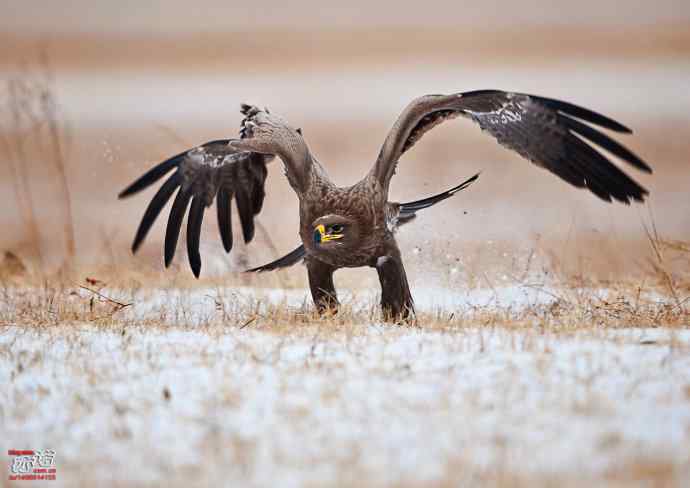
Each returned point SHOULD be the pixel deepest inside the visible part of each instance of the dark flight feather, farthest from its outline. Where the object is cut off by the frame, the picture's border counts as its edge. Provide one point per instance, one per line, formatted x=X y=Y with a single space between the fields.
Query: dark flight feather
x=597 y=171
x=154 y=209
x=151 y=176
x=172 y=232
x=158 y=171
x=244 y=208
x=410 y=208
x=582 y=113
x=605 y=142
x=224 y=218
x=258 y=173
x=289 y=259
x=196 y=216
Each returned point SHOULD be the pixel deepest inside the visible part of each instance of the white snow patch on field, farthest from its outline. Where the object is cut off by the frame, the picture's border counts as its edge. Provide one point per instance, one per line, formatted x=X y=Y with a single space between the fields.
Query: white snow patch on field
x=201 y=305
x=375 y=404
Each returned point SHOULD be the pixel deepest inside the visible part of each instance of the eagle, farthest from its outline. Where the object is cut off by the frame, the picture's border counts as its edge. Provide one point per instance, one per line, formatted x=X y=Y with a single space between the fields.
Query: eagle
x=355 y=226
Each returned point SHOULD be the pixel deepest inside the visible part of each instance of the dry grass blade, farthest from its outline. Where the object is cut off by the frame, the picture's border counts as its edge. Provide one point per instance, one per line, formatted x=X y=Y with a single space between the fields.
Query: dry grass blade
x=120 y=305
x=659 y=264
x=32 y=133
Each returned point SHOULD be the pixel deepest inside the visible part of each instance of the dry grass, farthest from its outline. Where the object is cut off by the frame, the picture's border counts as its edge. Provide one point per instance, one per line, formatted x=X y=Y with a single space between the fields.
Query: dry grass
x=575 y=302
x=31 y=129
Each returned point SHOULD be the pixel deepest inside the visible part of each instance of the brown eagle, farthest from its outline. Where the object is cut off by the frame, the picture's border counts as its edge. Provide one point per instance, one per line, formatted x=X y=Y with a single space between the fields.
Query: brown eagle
x=354 y=226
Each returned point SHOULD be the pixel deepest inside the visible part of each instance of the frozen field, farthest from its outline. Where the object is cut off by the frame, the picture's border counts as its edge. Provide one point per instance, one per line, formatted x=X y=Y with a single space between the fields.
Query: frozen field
x=243 y=387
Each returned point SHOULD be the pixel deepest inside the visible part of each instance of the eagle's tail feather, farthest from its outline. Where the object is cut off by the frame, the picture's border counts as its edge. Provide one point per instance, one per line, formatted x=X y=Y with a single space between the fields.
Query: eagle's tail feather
x=407 y=210
x=288 y=260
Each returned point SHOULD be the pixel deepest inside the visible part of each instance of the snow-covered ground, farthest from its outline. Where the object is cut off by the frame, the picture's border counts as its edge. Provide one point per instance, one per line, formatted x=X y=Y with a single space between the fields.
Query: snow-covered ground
x=325 y=403
x=198 y=306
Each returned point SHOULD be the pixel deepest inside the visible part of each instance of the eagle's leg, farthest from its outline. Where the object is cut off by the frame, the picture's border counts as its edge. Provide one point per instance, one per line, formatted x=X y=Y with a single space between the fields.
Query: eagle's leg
x=396 y=301
x=321 y=285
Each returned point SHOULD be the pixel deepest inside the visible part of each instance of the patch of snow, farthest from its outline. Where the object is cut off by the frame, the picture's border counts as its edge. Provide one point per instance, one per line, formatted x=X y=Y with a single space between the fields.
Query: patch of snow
x=386 y=404
x=202 y=305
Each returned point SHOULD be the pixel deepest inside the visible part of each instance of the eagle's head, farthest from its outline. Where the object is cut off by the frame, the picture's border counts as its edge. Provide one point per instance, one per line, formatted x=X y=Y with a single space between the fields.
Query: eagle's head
x=335 y=232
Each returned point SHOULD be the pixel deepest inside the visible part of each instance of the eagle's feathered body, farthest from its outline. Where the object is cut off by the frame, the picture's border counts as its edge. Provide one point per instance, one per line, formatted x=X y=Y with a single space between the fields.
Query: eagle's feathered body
x=354 y=226
x=361 y=202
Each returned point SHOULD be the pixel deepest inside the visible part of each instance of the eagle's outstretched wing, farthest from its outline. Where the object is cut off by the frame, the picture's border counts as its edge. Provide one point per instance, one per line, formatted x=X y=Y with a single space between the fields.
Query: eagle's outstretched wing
x=550 y=133
x=213 y=171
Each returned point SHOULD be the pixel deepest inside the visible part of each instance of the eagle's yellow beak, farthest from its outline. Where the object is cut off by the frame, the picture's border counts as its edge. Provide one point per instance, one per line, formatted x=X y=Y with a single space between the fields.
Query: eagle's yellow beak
x=320 y=235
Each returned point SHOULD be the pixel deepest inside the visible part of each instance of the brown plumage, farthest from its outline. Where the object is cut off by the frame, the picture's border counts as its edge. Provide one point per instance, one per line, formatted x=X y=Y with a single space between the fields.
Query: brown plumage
x=354 y=226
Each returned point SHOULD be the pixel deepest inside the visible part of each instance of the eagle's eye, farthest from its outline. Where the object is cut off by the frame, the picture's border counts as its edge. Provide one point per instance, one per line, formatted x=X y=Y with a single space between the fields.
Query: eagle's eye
x=337 y=228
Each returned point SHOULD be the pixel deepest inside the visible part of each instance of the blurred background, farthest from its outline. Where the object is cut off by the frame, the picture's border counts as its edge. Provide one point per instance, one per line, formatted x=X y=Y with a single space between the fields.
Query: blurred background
x=93 y=93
